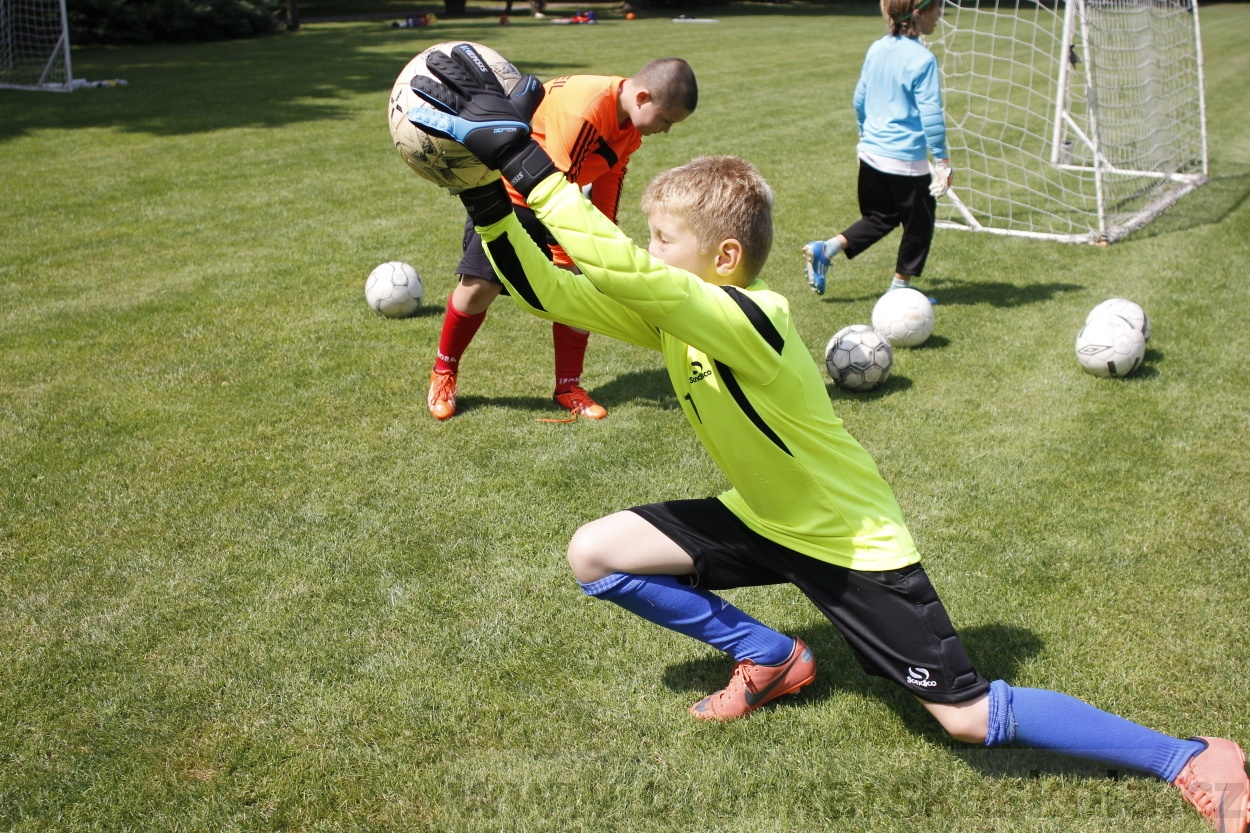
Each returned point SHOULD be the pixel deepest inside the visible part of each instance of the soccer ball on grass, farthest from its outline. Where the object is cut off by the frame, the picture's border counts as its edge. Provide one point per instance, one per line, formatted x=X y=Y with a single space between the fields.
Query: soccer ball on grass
x=904 y=316
x=394 y=290
x=1126 y=309
x=442 y=161
x=1109 y=346
x=858 y=358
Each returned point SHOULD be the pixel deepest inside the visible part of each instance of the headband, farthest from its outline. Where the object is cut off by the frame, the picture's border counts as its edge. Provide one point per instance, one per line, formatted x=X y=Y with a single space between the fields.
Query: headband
x=907 y=16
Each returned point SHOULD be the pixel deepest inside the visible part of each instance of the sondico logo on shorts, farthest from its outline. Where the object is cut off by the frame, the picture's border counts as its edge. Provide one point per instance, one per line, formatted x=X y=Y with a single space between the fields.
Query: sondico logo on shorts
x=920 y=677
x=697 y=373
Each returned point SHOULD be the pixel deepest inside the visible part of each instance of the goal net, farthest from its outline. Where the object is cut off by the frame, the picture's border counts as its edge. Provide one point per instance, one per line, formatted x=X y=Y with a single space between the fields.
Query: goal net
x=34 y=45
x=1077 y=121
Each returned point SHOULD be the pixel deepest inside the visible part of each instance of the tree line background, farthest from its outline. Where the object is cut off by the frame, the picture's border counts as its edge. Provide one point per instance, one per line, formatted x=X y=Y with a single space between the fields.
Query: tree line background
x=172 y=21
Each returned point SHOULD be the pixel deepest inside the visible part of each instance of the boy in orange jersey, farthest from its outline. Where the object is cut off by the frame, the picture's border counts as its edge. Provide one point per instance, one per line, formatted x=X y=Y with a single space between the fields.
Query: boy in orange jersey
x=590 y=125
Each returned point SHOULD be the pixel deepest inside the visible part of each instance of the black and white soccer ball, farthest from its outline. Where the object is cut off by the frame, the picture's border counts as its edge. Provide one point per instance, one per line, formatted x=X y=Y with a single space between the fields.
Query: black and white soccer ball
x=394 y=290
x=904 y=316
x=859 y=358
x=1110 y=346
x=1126 y=309
x=442 y=161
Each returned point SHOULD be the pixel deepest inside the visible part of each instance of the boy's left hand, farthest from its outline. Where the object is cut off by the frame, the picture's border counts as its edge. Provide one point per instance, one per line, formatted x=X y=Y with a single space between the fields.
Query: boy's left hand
x=471 y=107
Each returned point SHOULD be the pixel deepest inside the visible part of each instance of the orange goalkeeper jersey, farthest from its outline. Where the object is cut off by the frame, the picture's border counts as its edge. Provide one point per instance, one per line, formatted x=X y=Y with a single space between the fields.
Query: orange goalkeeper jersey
x=578 y=125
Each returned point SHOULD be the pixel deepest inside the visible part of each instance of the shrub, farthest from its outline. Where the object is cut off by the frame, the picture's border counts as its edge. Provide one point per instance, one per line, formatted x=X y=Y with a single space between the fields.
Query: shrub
x=145 y=21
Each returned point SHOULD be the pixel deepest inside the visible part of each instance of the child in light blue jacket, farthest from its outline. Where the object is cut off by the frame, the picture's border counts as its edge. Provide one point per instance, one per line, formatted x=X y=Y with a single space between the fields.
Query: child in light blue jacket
x=898 y=104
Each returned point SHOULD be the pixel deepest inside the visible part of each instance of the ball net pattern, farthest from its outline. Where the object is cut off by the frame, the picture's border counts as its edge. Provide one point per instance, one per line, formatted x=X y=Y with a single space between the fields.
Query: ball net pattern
x=34 y=45
x=1077 y=122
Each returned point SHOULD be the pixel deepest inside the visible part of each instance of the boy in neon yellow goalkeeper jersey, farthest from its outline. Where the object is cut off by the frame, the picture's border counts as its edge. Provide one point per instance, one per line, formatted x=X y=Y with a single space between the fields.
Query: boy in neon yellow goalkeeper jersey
x=807 y=505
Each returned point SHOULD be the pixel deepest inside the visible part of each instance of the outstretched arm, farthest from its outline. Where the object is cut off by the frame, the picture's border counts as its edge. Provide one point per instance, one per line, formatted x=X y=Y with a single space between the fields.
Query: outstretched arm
x=720 y=321
x=543 y=288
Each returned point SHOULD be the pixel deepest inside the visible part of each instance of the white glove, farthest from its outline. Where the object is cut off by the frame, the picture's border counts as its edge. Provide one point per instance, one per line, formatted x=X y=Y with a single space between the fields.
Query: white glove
x=942 y=174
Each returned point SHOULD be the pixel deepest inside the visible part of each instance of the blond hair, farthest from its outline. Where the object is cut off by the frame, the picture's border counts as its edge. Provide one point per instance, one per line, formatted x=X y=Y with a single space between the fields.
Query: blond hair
x=671 y=83
x=900 y=16
x=719 y=197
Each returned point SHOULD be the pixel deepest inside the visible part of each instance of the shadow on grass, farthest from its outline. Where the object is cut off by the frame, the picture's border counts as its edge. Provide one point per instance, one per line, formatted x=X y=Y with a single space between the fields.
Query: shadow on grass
x=998 y=294
x=1210 y=205
x=468 y=404
x=264 y=82
x=893 y=385
x=957 y=291
x=644 y=387
x=640 y=387
x=933 y=342
x=1147 y=370
x=651 y=388
x=997 y=652
x=428 y=311
x=281 y=79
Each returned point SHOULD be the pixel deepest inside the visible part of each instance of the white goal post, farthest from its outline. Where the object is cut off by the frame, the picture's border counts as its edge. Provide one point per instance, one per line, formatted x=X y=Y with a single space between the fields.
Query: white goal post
x=1078 y=121
x=34 y=45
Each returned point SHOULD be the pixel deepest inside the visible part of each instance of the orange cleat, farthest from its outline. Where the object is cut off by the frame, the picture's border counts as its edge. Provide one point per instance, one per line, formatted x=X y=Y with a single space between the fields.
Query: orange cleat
x=1215 y=782
x=579 y=403
x=442 y=398
x=751 y=685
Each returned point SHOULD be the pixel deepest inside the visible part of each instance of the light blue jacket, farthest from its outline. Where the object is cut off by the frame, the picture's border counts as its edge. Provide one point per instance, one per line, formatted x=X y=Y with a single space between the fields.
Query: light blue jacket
x=898 y=101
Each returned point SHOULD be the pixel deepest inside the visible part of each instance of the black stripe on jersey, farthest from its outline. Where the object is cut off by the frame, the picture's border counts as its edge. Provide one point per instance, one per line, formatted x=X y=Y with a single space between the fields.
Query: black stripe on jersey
x=509 y=264
x=758 y=319
x=587 y=137
x=616 y=206
x=605 y=150
x=735 y=390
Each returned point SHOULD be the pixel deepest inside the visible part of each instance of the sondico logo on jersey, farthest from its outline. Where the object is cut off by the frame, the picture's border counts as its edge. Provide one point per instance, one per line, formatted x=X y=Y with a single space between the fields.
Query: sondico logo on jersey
x=920 y=677
x=697 y=373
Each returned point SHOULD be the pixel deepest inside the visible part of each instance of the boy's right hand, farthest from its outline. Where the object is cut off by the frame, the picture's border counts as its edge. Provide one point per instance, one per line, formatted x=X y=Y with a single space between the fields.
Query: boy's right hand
x=471 y=107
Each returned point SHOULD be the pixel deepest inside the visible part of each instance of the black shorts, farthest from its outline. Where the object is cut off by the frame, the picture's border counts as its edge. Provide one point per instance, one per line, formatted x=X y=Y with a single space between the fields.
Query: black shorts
x=893 y=620
x=474 y=262
x=887 y=201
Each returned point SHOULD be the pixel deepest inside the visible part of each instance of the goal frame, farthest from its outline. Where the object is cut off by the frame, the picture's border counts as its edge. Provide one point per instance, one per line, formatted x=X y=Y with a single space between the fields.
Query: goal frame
x=1104 y=226
x=58 y=58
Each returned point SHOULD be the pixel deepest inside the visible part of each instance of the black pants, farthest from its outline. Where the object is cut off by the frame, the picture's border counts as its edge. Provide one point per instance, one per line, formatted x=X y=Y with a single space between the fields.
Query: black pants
x=893 y=620
x=887 y=201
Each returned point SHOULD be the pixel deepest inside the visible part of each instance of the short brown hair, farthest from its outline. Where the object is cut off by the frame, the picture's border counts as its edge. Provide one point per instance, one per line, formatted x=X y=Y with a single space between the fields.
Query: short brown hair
x=671 y=83
x=719 y=197
x=900 y=16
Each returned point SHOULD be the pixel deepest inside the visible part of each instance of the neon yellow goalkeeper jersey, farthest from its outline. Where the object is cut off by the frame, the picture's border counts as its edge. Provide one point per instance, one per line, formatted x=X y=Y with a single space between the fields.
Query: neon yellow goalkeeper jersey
x=744 y=378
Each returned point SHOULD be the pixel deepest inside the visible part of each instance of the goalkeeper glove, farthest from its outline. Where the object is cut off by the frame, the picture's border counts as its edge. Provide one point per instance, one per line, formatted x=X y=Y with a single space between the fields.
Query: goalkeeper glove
x=942 y=173
x=486 y=204
x=471 y=107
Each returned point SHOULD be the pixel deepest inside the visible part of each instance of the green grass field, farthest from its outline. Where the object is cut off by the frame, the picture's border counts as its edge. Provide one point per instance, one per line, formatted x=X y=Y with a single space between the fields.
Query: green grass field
x=248 y=584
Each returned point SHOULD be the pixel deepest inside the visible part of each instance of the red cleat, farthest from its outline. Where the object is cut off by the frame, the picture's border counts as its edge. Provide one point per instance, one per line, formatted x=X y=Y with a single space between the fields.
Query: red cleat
x=579 y=403
x=1215 y=782
x=442 y=398
x=751 y=685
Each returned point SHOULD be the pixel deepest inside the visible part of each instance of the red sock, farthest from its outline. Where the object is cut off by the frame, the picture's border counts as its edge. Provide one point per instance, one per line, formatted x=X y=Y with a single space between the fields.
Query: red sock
x=458 y=331
x=570 y=347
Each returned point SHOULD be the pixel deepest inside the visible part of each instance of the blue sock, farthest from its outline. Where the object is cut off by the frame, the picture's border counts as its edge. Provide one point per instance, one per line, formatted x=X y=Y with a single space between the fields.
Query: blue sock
x=696 y=613
x=1040 y=719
